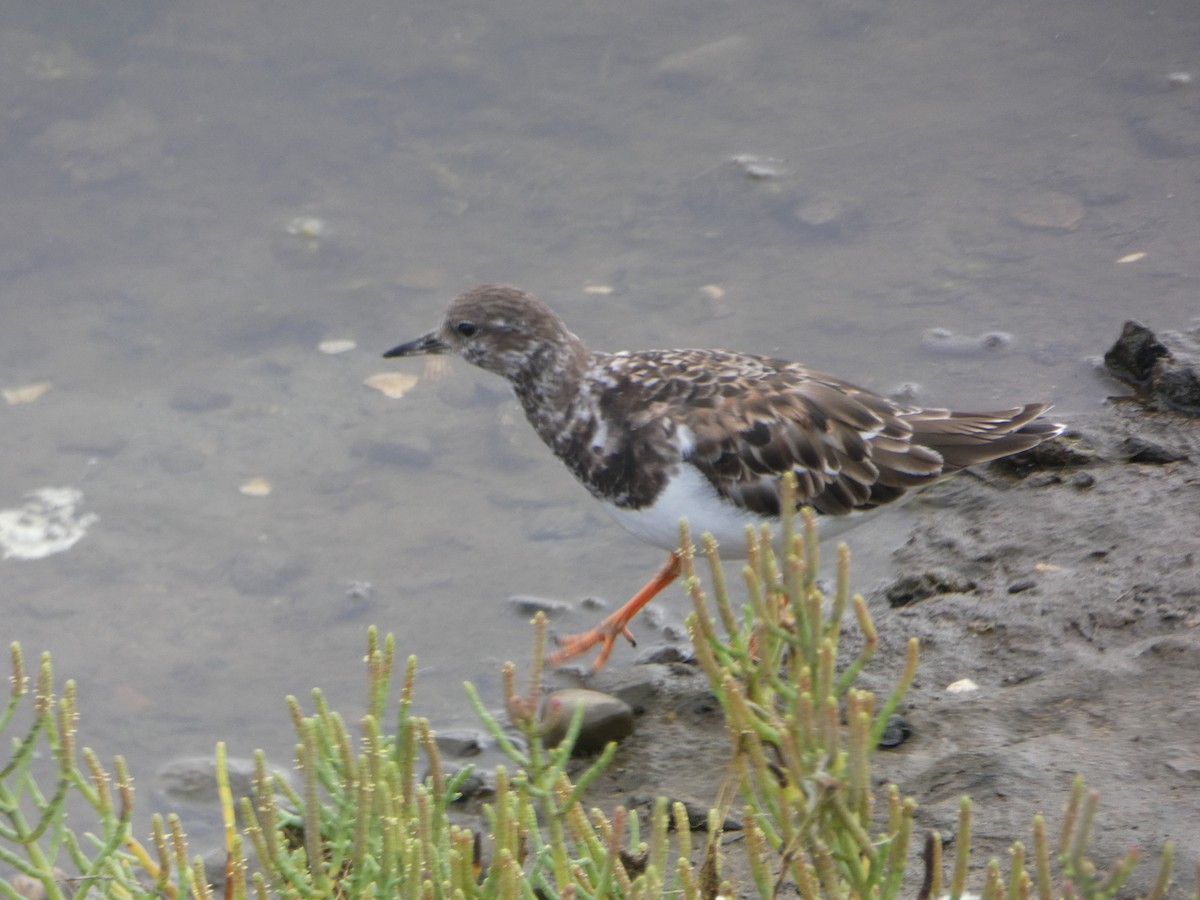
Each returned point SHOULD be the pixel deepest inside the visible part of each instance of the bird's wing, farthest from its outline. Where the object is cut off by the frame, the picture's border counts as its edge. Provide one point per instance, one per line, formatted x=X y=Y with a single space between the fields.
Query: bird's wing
x=749 y=420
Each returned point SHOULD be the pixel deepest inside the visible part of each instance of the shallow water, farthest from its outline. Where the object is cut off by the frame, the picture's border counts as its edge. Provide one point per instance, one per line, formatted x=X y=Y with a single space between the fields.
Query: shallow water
x=197 y=194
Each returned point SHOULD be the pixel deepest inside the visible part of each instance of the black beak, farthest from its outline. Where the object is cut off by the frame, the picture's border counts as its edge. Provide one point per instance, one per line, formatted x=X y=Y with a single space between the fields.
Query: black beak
x=424 y=345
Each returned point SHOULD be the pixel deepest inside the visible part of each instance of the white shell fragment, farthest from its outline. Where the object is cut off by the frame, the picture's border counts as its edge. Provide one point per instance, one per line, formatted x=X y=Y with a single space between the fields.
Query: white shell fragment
x=602 y=290
x=1132 y=257
x=45 y=524
x=256 y=487
x=392 y=384
x=310 y=227
x=334 y=347
x=26 y=393
x=962 y=686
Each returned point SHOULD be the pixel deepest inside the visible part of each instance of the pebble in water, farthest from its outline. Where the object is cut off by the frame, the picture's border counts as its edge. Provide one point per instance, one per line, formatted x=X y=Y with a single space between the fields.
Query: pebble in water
x=393 y=385
x=944 y=342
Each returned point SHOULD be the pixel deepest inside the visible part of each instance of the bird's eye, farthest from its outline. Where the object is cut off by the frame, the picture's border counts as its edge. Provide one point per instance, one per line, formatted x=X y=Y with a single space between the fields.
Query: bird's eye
x=466 y=329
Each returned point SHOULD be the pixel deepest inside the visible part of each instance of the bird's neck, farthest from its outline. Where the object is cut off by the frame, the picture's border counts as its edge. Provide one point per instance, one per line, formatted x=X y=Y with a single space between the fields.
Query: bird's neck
x=549 y=387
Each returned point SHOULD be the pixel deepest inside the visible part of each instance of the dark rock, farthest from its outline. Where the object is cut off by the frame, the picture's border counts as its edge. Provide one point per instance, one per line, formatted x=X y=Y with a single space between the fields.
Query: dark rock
x=913 y=588
x=459 y=743
x=1057 y=453
x=1019 y=587
x=895 y=732
x=697 y=812
x=1083 y=480
x=1133 y=356
x=1139 y=450
x=664 y=654
x=1177 y=383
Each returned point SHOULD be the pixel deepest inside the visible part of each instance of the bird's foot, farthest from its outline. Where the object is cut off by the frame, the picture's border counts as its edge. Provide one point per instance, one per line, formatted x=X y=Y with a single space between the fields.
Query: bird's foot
x=605 y=634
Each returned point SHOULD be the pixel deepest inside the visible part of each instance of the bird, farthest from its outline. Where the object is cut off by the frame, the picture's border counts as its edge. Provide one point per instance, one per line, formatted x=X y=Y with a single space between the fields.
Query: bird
x=708 y=435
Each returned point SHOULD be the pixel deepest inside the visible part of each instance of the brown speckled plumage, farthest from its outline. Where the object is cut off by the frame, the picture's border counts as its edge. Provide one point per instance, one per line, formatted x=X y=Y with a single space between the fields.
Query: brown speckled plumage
x=625 y=422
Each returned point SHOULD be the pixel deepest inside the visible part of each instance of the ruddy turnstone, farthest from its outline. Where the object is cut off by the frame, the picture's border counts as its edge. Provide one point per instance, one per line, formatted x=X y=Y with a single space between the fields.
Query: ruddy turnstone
x=660 y=435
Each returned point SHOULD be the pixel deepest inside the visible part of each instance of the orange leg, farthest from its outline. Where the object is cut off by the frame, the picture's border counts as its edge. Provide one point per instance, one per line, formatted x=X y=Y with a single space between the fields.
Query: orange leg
x=618 y=623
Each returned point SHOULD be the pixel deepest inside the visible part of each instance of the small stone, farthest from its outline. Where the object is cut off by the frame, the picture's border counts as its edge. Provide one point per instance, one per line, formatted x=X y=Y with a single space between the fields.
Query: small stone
x=531 y=606
x=822 y=215
x=93 y=444
x=393 y=385
x=359 y=591
x=1049 y=211
x=895 y=732
x=1082 y=481
x=26 y=393
x=196 y=399
x=262 y=573
x=605 y=718
x=333 y=347
x=760 y=168
x=414 y=454
x=255 y=487
x=962 y=686
x=311 y=228
x=1019 y=587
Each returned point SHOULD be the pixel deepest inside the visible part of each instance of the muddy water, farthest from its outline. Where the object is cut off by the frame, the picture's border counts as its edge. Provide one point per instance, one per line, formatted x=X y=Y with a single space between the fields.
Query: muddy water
x=197 y=194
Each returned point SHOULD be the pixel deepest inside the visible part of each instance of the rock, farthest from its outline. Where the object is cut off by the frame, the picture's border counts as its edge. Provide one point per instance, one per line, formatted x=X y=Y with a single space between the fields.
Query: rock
x=1133 y=356
x=1177 y=383
x=264 y=573
x=1169 y=374
x=822 y=215
x=1049 y=211
x=895 y=732
x=531 y=606
x=605 y=718
x=913 y=588
x=196 y=399
x=459 y=743
x=944 y=342
x=193 y=779
x=415 y=453
x=1052 y=456
x=1140 y=450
